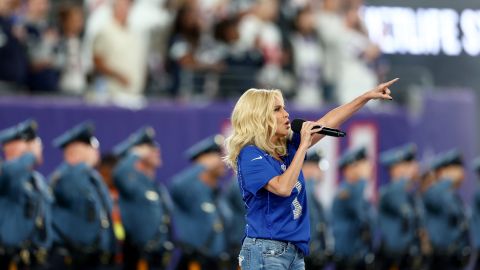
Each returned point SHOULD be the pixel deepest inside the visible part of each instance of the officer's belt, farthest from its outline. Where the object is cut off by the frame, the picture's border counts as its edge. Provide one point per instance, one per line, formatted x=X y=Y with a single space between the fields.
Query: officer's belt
x=72 y=247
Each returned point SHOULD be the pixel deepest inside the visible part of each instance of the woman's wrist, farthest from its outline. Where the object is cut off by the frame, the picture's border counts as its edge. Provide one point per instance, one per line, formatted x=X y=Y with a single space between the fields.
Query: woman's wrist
x=303 y=148
x=367 y=96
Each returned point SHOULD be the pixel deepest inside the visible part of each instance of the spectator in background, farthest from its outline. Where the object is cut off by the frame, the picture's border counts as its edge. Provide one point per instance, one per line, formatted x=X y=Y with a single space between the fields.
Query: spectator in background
x=153 y=20
x=307 y=60
x=72 y=77
x=330 y=26
x=119 y=61
x=13 y=64
x=191 y=55
x=259 y=30
x=42 y=44
x=241 y=63
x=358 y=56
x=98 y=13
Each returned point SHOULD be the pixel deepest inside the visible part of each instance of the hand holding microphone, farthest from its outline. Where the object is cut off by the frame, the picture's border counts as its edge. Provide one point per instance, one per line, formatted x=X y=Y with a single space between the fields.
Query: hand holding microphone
x=297 y=127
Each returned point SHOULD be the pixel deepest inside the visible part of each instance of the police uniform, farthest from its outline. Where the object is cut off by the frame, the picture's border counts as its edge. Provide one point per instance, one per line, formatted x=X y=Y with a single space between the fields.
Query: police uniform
x=352 y=220
x=475 y=223
x=201 y=213
x=82 y=211
x=319 y=255
x=145 y=207
x=25 y=206
x=397 y=214
x=446 y=221
x=236 y=230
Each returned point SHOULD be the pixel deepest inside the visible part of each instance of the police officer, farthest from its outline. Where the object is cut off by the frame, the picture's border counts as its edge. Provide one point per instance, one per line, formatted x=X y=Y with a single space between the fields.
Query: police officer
x=397 y=210
x=445 y=218
x=476 y=214
x=351 y=213
x=236 y=230
x=201 y=214
x=25 y=201
x=145 y=205
x=319 y=254
x=82 y=211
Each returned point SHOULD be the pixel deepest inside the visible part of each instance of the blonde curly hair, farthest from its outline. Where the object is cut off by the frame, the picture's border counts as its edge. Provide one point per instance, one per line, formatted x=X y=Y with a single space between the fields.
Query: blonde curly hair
x=253 y=122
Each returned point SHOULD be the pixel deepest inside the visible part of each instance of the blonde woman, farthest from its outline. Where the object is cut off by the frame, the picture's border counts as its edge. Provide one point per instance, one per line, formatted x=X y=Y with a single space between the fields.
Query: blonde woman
x=267 y=157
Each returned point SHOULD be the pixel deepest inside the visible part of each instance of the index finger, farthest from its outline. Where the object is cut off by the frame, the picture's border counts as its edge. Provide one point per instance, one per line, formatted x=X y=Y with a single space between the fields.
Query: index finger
x=387 y=84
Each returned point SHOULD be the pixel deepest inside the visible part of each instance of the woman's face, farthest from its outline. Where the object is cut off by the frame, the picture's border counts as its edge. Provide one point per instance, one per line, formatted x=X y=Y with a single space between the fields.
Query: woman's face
x=281 y=116
x=74 y=22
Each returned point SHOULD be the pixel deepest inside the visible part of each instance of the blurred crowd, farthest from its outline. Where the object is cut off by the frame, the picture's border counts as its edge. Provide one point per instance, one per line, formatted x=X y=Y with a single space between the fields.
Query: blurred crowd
x=110 y=212
x=121 y=51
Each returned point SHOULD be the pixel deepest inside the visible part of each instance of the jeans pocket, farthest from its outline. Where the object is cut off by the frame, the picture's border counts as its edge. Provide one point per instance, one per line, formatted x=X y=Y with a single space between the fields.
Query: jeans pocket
x=244 y=259
x=274 y=248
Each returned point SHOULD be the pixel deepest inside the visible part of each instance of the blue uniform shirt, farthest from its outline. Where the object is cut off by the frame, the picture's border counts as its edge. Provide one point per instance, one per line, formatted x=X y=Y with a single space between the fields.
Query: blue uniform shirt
x=200 y=214
x=475 y=223
x=235 y=201
x=350 y=219
x=25 y=204
x=318 y=221
x=140 y=192
x=82 y=210
x=396 y=217
x=445 y=218
x=270 y=216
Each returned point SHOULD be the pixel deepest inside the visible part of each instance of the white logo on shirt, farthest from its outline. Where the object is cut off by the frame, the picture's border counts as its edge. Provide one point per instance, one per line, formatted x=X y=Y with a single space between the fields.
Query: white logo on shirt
x=298 y=186
x=259 y=157
x=297 y=207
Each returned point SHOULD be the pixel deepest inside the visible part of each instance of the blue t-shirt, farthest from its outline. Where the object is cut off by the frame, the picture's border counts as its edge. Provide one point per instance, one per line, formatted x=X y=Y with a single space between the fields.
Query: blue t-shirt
x=270 y=216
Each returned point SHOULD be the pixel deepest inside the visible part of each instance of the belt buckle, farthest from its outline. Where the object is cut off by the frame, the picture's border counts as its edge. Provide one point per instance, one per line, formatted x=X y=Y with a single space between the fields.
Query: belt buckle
x=25 y=256
x=41 y=255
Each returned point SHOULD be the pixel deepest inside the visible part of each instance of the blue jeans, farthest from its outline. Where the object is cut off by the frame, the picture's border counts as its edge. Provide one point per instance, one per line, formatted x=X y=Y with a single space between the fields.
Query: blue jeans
x=270 y=255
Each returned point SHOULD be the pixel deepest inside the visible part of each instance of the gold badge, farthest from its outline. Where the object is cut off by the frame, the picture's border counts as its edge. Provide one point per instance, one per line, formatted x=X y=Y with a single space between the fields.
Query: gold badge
x=151 y=195
x=208 y=207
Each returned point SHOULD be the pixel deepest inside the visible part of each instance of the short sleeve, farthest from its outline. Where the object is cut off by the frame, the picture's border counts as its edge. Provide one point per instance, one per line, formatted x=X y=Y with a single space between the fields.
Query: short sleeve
x=255 y=169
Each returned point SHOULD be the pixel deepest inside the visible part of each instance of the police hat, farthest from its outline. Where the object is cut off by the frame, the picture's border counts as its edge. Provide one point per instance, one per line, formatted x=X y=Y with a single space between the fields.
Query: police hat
x=452 y=157
x=145 y=135
x=352 y=156
x=476 y=165
x=210 y=144
x=314 y=155
x=26 y=130
x=396 y=155
x=82 y=132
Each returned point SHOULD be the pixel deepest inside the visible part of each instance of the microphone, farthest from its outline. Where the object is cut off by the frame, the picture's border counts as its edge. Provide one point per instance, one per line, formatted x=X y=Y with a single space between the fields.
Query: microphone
x=297 y=127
